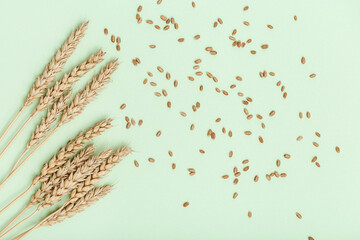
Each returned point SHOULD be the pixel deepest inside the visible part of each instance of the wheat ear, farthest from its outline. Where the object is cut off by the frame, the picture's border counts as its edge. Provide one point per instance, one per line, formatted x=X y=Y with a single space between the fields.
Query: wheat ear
x=47 y=77
x=55 y=65
x=64 y=153
x=79 y=182
x=76 y=106
x=89 y=93
x=69 y=209
x=60 y=88
x=68 y=80
x=99 y=172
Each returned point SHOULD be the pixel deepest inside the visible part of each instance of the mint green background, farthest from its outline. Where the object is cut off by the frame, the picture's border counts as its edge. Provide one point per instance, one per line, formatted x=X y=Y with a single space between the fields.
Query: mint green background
x=147 y=201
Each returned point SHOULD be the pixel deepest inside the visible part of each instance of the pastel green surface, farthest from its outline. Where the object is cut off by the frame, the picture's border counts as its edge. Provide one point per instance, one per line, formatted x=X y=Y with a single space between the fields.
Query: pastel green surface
x=147 y=201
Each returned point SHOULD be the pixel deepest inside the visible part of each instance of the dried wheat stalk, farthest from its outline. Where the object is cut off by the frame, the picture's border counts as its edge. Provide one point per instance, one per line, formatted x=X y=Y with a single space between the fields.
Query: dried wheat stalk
x=62 y=155
x=69 y=209
x=78 y=182
x=76 y=106
x=55 y=65
x=68 y=80
x=65 y=186
x=44 y=127
x=89 y=93
x=60 y=175
x=99 y=172
x=46 y=78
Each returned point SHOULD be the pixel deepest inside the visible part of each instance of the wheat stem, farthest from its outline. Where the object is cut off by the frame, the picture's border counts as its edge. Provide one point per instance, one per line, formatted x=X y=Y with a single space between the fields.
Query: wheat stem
x=12 y=221
x=16 y=135
x=12 y=122
x=19 y=223
x=16 y=199
x=27 y=158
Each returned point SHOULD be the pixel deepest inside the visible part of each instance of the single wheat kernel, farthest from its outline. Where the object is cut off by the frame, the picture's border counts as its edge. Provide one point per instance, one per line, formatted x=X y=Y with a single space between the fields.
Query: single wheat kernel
x=158 y=134
x=315 y=144
x=152 y=46
x=128 y=125
x=298 y=215
x=192 y=127
x=246 y=23
x=295 y=18
x=202 y=151
x=308 y=115
x=140 y=122
x=151 y=160
x=220 y=20
x=265 y=46
x=183 y=114
x=186 y=204
x=112 y=38
x=133 y=122
x=299 y=138
x=246 y=8
x=181 y=40
x=256 y=178
x=193 y=4
x=303 y=60
x=278 y=163
x=123 y=106
x=118 y=40
x=173 y=166
x=235 y=181
x=230 y=133
x=270 y=26
x=231 y=154
x=261 y=140
x=287 y=156
x=317 y=134
x=246 y=168
x=118 y=47
x=235 y=195
x=249 y=214
x=312 y=75
x=106 y=31
x=248 y=133
x=196 y=37
x=314 y=159
x=283 y=175
x=136 y=163
x=337 y=149
x=225 y=176
x=272 y=113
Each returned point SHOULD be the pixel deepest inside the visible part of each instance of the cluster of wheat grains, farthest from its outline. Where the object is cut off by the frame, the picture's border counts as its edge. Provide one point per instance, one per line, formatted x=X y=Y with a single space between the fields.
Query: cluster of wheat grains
x=74 y=169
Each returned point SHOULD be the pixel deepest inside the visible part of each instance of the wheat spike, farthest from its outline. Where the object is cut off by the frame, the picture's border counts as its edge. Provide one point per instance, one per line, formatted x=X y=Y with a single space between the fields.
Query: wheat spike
x=89 y=93
x=44 y=127
x=67 y=185
x=69 y=209
x=99 y=172
x=71 y=147
x=66 y=82
x=55 y=65
x=60 y=175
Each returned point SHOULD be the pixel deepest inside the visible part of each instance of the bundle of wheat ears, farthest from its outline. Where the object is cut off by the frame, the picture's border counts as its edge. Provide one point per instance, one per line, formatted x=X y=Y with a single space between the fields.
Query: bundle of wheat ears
x=74 y=170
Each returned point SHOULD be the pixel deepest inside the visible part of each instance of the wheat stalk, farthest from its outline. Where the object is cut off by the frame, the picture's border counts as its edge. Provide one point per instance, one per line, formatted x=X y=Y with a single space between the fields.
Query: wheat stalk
x=77 y=183
x=46 y=78
x=100 y=171
x=67 y=185
x=81 y=99
x=68 y=80
x=70 y=208
x=89 y=93
x=55 y=65
x=59 y=159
